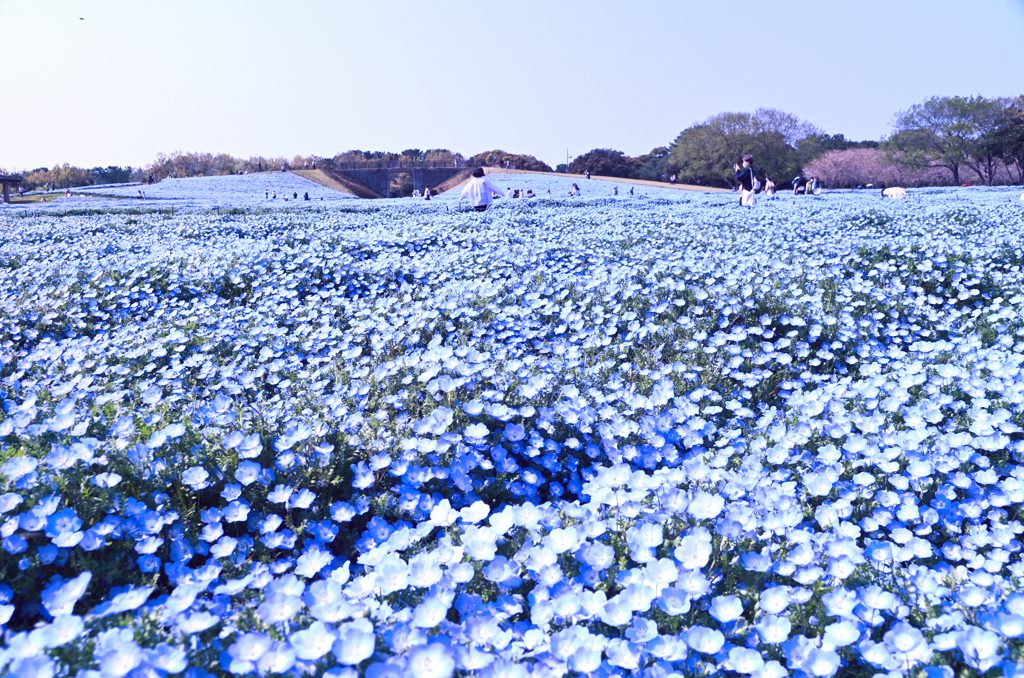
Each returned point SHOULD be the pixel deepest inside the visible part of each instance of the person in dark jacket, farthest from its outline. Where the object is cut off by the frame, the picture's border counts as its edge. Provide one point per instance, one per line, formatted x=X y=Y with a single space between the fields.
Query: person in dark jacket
x=745 y=178
x=799 y=184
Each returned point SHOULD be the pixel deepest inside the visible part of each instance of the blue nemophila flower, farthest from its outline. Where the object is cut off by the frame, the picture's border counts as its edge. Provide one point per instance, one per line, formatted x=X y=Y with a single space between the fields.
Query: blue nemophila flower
x=726 y=608
x=434 y=660
x=355 y=643
x=250 y=446
x=313 y=642
x=247 y=472
x=278 y=658
x=745 y=660
x=704 y=640
x=279 y=607
x=430 y=612
x=280 y=494
x=195 y=477
x=693 y=551
x=18 y=467
x=106 y=480
x=247 y=649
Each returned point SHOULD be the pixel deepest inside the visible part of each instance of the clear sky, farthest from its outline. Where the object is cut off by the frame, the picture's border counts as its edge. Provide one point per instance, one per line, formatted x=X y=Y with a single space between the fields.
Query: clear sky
x=114 y=82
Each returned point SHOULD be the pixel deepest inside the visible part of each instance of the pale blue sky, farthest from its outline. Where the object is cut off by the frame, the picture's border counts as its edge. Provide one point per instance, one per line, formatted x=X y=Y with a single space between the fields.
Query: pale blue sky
x=133 y=78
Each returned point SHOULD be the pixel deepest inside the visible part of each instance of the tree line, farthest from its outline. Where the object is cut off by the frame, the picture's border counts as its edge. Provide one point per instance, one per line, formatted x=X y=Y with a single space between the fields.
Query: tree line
x=944 y=140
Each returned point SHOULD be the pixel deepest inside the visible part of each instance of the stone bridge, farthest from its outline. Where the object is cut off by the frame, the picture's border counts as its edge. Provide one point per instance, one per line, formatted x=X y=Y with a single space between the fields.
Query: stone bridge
x=378 y=179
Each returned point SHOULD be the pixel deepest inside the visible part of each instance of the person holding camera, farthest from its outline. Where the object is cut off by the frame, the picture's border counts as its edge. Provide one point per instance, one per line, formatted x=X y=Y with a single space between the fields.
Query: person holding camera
x=746 y=179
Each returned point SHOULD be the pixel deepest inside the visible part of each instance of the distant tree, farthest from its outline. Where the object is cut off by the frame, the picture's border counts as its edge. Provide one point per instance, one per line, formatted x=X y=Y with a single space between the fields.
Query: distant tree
x=605 y=162
x=35 y=179
x=946 y=132
x=706 y=152
x=1007 y=140
x=499 y=158
x=868 y=167
x=412 y=153
x=68 y=176
x=562 y=168
x=654 y=165
x=111 y=175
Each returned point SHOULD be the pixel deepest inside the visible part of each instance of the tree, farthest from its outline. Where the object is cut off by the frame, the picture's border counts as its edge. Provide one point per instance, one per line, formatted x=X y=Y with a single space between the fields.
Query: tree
x=867 y=167
x=605 y=162
x=1008 y=138
x=499 y=158
x=654 y=165
x=946 y=132
x=705 y=153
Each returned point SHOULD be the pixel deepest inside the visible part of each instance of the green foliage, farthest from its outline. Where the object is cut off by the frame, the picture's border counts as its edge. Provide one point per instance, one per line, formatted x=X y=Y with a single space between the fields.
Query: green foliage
x=946 y=132
x=499 y=158
x=605 y=162
x=705 y=153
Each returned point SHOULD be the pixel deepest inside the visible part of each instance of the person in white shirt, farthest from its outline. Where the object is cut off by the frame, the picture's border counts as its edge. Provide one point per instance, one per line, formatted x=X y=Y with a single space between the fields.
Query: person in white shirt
x=479 y=191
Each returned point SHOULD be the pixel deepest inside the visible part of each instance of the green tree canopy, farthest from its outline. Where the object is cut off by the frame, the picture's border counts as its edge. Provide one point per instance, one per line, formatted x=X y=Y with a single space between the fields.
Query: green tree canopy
x=605 y=162
x=1007 y=140
x=947 y=132
x=499 y=158
x=706 y=152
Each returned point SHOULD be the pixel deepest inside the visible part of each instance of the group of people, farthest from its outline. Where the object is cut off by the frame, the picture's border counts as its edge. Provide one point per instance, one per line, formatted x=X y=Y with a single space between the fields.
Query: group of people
x=517 y=193
x=481 y=192
x=802 y=184
x=749 y=185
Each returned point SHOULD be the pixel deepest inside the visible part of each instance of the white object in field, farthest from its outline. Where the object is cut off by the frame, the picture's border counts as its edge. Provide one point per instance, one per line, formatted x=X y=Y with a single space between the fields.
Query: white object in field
x=895 y=193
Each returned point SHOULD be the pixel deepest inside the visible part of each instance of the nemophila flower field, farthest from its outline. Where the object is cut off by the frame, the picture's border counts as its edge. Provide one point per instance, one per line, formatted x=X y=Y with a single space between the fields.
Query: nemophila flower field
x=246 y=190
x=597 y=436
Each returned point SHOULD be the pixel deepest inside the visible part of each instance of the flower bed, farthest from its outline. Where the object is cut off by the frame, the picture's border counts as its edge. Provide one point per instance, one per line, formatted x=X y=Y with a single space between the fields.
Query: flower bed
x=589 y=436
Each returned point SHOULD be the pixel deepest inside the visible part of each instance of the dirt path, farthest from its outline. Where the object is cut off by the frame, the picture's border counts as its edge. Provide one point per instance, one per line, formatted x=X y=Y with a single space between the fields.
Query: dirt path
x=319 y=177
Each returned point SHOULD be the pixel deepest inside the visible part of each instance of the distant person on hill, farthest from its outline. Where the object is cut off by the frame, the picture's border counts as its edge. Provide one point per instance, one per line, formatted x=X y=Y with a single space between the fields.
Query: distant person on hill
x=672 y=180
x=575 y=190
x=479 y=191
x=615 y=190
x=745 y=178
x=586 y=174
x=631 y=190
x=769 y=185
x=295 y=195
x=305 y=196
x=426 y=192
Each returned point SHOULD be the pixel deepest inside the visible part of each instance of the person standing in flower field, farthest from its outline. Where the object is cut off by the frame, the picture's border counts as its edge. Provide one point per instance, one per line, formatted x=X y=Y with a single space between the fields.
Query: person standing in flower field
x=479 y=191
x=746 y=179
